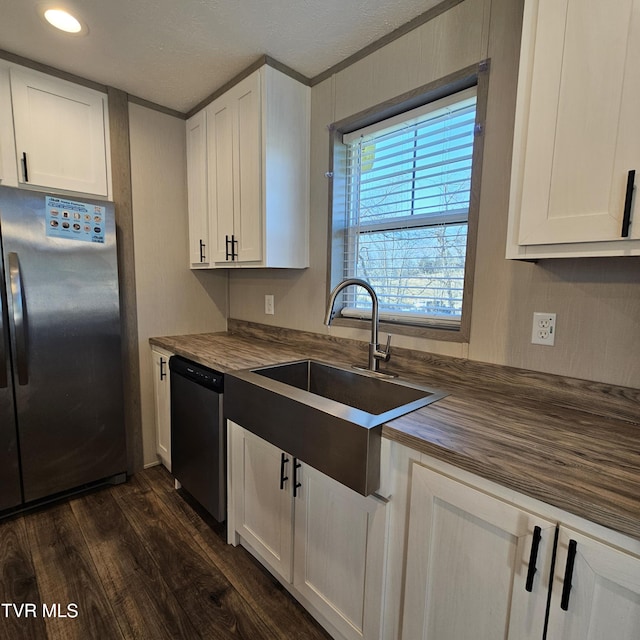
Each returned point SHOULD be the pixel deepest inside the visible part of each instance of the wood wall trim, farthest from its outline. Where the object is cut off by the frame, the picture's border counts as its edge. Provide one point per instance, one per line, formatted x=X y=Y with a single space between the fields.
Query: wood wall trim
x=96 y=86
x=123 y=200
x=260 y=62
x=288 y=71
x=157 y=107
x=52 y=71
x=402 y=30
x=482 y=98
x=452 y=83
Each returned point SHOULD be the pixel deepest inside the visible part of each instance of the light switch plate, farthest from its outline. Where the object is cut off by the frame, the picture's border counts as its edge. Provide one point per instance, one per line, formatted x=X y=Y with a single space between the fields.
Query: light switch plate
x=268 y=305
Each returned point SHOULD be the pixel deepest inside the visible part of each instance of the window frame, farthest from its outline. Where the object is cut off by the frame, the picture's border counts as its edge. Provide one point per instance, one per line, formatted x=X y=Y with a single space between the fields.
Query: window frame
x=475 y=75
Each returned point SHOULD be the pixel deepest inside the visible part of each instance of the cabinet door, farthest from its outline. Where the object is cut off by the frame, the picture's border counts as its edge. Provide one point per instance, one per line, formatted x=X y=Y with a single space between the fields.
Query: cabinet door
x=603 y=601
x=339 y=553
x=199 y=249
x=262 y=503
x=468 y=559
x=248 y=223
x=220 y=137
x=60 y=133
x=8 y=167
x=162 y=397
x=580 y=92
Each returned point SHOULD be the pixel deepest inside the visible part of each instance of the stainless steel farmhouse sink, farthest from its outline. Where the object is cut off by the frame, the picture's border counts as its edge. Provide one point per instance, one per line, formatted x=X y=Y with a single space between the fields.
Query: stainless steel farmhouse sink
x=327 y=416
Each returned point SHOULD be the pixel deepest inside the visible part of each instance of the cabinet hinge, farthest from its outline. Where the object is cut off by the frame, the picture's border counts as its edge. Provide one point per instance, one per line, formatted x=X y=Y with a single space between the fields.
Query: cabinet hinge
x=478 y=130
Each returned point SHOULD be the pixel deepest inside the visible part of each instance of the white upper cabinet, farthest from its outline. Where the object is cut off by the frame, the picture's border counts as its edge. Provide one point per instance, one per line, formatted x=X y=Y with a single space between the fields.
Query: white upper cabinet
x=8 y=168
x=577 y=135
x=60 y=133
x=257 y=175
x=234 y=173
x=199 y=249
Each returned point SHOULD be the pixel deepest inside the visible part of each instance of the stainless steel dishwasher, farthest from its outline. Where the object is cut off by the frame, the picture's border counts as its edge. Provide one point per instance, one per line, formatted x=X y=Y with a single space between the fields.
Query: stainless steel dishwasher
x=198 y=436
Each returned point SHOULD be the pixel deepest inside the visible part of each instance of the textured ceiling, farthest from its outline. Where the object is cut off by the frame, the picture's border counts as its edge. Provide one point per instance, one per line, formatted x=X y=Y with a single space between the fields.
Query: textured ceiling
x=177 y=52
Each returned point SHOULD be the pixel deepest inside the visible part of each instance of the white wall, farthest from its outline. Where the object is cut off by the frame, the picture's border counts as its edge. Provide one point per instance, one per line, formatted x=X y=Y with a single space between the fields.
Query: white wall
x=171 y=299
x=597 y=301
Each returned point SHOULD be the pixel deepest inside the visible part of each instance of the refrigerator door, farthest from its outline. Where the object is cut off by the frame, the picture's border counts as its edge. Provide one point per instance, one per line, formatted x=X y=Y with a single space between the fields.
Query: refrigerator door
x=10 y=491
x=63 y=312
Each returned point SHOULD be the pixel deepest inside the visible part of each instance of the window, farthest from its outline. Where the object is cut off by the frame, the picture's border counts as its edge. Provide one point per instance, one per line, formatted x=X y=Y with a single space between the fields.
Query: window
x=401 y=203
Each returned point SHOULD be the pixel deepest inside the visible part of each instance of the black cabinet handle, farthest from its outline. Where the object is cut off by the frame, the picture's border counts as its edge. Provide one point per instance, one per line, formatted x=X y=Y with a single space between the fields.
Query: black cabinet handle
x=533 y=557
x=202 y=246
x=283 y=461
x=568 y=575
x=230 y=254
x=25 y=166
x=296 y=484
x=163 y=373
x=626 y=216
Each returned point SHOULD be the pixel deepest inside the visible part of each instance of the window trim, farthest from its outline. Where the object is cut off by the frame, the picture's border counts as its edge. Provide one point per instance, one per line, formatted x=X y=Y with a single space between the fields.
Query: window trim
x=474 y=75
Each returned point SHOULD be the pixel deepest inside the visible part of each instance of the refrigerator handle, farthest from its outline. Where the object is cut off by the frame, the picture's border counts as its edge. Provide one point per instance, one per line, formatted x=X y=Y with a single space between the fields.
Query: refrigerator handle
x=19 y=318
x=4 y=378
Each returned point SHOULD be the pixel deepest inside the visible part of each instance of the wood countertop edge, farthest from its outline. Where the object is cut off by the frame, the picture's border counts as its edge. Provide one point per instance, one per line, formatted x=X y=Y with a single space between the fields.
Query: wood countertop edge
x=593 y=508
x=606 y=507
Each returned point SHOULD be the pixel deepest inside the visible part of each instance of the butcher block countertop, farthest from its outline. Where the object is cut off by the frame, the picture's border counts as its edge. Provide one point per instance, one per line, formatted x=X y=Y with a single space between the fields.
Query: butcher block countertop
x=571 y=443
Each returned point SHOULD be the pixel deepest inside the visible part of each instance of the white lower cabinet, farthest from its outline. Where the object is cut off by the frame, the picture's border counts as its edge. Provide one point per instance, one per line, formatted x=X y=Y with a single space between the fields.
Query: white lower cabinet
x=477 y=567
x=603 y=601
x=261 y=503
x=339 y=553
x=451 y=556
x=326 y=542
x=469 y=564
x=162 y=404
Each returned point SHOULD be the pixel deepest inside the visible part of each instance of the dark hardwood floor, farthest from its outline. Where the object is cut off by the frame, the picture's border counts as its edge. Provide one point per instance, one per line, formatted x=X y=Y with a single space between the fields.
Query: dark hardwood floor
x=137 y=561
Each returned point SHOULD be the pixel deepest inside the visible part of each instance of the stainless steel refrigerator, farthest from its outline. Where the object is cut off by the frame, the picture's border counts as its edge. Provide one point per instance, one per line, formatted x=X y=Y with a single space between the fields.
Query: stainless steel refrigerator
x=61 y=401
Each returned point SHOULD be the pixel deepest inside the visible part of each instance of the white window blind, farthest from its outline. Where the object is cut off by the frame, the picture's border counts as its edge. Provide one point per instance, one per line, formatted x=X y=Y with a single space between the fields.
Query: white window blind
x=408 y=191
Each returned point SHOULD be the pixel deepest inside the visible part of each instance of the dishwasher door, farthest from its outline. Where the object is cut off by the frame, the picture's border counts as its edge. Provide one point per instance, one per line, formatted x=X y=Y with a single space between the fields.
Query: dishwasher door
x=198 y=436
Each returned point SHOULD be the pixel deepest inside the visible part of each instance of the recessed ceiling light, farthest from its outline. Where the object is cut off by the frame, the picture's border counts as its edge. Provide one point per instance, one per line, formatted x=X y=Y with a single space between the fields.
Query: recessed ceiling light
x=63 y=20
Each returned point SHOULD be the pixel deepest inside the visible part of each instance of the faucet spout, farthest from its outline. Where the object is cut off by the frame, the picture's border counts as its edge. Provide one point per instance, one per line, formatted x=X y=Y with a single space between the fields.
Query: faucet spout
x=375 y=354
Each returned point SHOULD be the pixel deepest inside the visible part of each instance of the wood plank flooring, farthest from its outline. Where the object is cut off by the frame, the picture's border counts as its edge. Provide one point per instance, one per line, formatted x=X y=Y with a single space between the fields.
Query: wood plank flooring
x=137 y=561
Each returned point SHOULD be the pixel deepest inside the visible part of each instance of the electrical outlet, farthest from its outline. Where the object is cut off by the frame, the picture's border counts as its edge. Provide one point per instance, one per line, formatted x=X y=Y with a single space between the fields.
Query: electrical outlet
x=544 y=329
x=269 y=305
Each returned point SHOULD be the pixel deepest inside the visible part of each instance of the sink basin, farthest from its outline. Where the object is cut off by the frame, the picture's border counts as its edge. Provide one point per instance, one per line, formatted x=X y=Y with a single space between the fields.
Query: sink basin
x=327 y=416
x=370 y=394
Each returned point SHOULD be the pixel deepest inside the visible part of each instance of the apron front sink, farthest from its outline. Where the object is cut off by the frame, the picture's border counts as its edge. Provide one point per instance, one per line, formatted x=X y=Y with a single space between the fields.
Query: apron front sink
x=327 y=416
